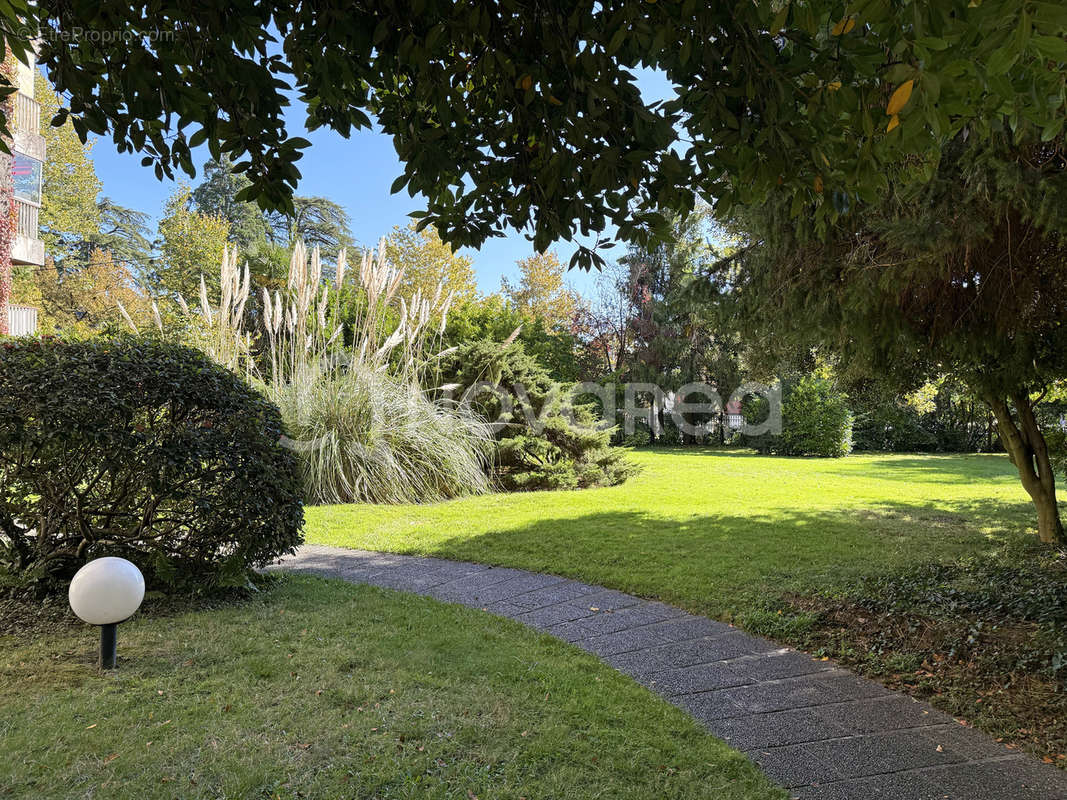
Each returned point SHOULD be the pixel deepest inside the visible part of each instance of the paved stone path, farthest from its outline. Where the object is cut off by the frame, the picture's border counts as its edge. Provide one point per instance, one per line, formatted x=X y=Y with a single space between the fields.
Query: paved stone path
x=813 y=727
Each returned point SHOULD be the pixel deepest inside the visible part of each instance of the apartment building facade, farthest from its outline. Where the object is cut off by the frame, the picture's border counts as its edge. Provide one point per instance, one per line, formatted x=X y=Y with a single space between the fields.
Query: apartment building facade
x=24 y=195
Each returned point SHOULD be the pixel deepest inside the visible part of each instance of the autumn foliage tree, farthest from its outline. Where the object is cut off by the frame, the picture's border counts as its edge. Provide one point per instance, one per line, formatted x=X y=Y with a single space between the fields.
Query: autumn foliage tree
x=427 y=261
x=542 y=292
x=86 y=300
x=191 y=244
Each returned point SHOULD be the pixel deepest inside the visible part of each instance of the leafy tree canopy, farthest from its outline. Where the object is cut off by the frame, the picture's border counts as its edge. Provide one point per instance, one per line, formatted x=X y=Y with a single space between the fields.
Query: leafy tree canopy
x=217 y=195
x=541 y=292
x=123 y=232
x=190 y=244
x=69 y=212
x=964 y=275
x=428 y=262
x=315 y=221
x=514 y=114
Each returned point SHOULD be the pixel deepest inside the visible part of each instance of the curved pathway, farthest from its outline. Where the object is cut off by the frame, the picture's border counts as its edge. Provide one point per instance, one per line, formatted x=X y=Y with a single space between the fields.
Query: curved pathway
x=813 y=727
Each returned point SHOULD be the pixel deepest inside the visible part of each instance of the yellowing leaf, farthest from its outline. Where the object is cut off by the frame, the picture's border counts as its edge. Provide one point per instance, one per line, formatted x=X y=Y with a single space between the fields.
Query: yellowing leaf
x=525 y=82
x=844 y=26
x=899 y=98
x=892 y=123
x=818 y=184
x=554 y=100
x=833 y=86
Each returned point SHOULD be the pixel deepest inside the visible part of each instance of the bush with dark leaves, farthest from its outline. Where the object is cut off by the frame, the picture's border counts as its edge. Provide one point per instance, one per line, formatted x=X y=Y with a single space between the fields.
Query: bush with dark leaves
x=143 y=450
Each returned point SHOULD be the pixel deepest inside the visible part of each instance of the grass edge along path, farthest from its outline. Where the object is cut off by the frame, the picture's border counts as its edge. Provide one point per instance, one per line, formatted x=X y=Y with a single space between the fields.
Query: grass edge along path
x=323 y=689
x=779 y=546
x=820 y=731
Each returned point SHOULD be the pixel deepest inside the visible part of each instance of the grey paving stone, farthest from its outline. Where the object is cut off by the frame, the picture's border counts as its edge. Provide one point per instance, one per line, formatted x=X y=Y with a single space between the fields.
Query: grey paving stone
x=875 y=754
x=609 y=600
x=841 y=686
x=709 y=707
x=503 y=608
x=544 y=618
x=966 y=742
x=777 y=665
x=412 y=580
x=564 y=592
x=454 y=571
x=775 y=729
x=793 y=765
x=454 y=593
x=713 y=648
x=821 y=731
x=601 y=622
x=887 y=713
x=1013 y=779
x=624 y=641
x=848 y=789
x=804 y=692
x=569 y=632
x=635 y=664
x=507 y=589
x=690 y=627
x=691 y=680
x=466 y=589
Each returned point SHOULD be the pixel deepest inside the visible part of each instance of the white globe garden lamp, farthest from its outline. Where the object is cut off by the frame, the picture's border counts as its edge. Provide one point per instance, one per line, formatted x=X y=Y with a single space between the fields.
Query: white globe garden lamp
x=105 y=592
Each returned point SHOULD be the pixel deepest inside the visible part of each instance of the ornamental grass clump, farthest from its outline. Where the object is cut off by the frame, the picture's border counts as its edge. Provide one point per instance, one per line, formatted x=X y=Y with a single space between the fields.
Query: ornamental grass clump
x=344 y=360
x=364 y=435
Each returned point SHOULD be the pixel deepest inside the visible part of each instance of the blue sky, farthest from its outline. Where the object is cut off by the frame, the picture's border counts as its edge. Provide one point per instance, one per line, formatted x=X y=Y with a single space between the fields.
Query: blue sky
x=355 y=172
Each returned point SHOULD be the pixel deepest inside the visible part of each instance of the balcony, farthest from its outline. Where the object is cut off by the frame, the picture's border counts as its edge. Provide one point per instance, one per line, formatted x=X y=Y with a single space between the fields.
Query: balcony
x=21 y=320
x=26 y=219
x=27 y=129
x=27 y=114
x=27 y=248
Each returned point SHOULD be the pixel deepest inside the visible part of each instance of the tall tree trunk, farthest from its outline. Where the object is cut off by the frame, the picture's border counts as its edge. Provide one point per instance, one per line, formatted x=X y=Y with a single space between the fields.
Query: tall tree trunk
x=1029 y=453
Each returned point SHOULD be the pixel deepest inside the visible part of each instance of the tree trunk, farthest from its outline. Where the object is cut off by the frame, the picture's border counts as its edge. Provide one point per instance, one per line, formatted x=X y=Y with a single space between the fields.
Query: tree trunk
x=1029 y=453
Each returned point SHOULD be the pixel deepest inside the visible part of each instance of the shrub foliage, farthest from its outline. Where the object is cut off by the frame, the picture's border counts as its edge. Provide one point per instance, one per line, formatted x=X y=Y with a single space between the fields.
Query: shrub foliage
x=139 y=449
x=543 y=441
x=816 y=421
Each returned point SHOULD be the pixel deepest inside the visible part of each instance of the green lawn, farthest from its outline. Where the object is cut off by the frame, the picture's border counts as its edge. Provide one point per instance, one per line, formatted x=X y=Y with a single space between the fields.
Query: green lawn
x=718 y=532
x=325 y=690
x=922 y=571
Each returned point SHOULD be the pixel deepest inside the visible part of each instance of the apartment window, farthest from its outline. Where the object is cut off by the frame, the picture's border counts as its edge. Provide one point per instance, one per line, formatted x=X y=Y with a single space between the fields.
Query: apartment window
x=27 y=174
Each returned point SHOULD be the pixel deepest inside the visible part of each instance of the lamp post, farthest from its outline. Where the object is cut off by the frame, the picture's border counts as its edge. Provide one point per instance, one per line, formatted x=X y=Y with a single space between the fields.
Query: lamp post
x=105 y=592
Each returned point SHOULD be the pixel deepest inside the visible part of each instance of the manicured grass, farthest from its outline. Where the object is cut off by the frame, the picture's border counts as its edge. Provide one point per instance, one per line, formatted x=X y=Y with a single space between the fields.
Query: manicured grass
x=838 y=557
x=326 y=690
x=718 y=532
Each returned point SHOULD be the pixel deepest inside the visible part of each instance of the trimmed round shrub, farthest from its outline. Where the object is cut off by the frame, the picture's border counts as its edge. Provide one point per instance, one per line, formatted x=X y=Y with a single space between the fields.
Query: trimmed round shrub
x=139 y=449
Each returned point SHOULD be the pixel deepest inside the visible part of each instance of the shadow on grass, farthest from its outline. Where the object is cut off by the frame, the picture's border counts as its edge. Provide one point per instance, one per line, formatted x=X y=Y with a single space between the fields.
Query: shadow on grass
x=913 y=467
x=723 y=564
x=943 y=468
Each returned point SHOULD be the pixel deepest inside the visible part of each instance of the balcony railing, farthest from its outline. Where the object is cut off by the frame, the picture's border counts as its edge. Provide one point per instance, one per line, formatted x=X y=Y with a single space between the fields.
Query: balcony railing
x=27 y=113
x=27 y=219
x=22 y=320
